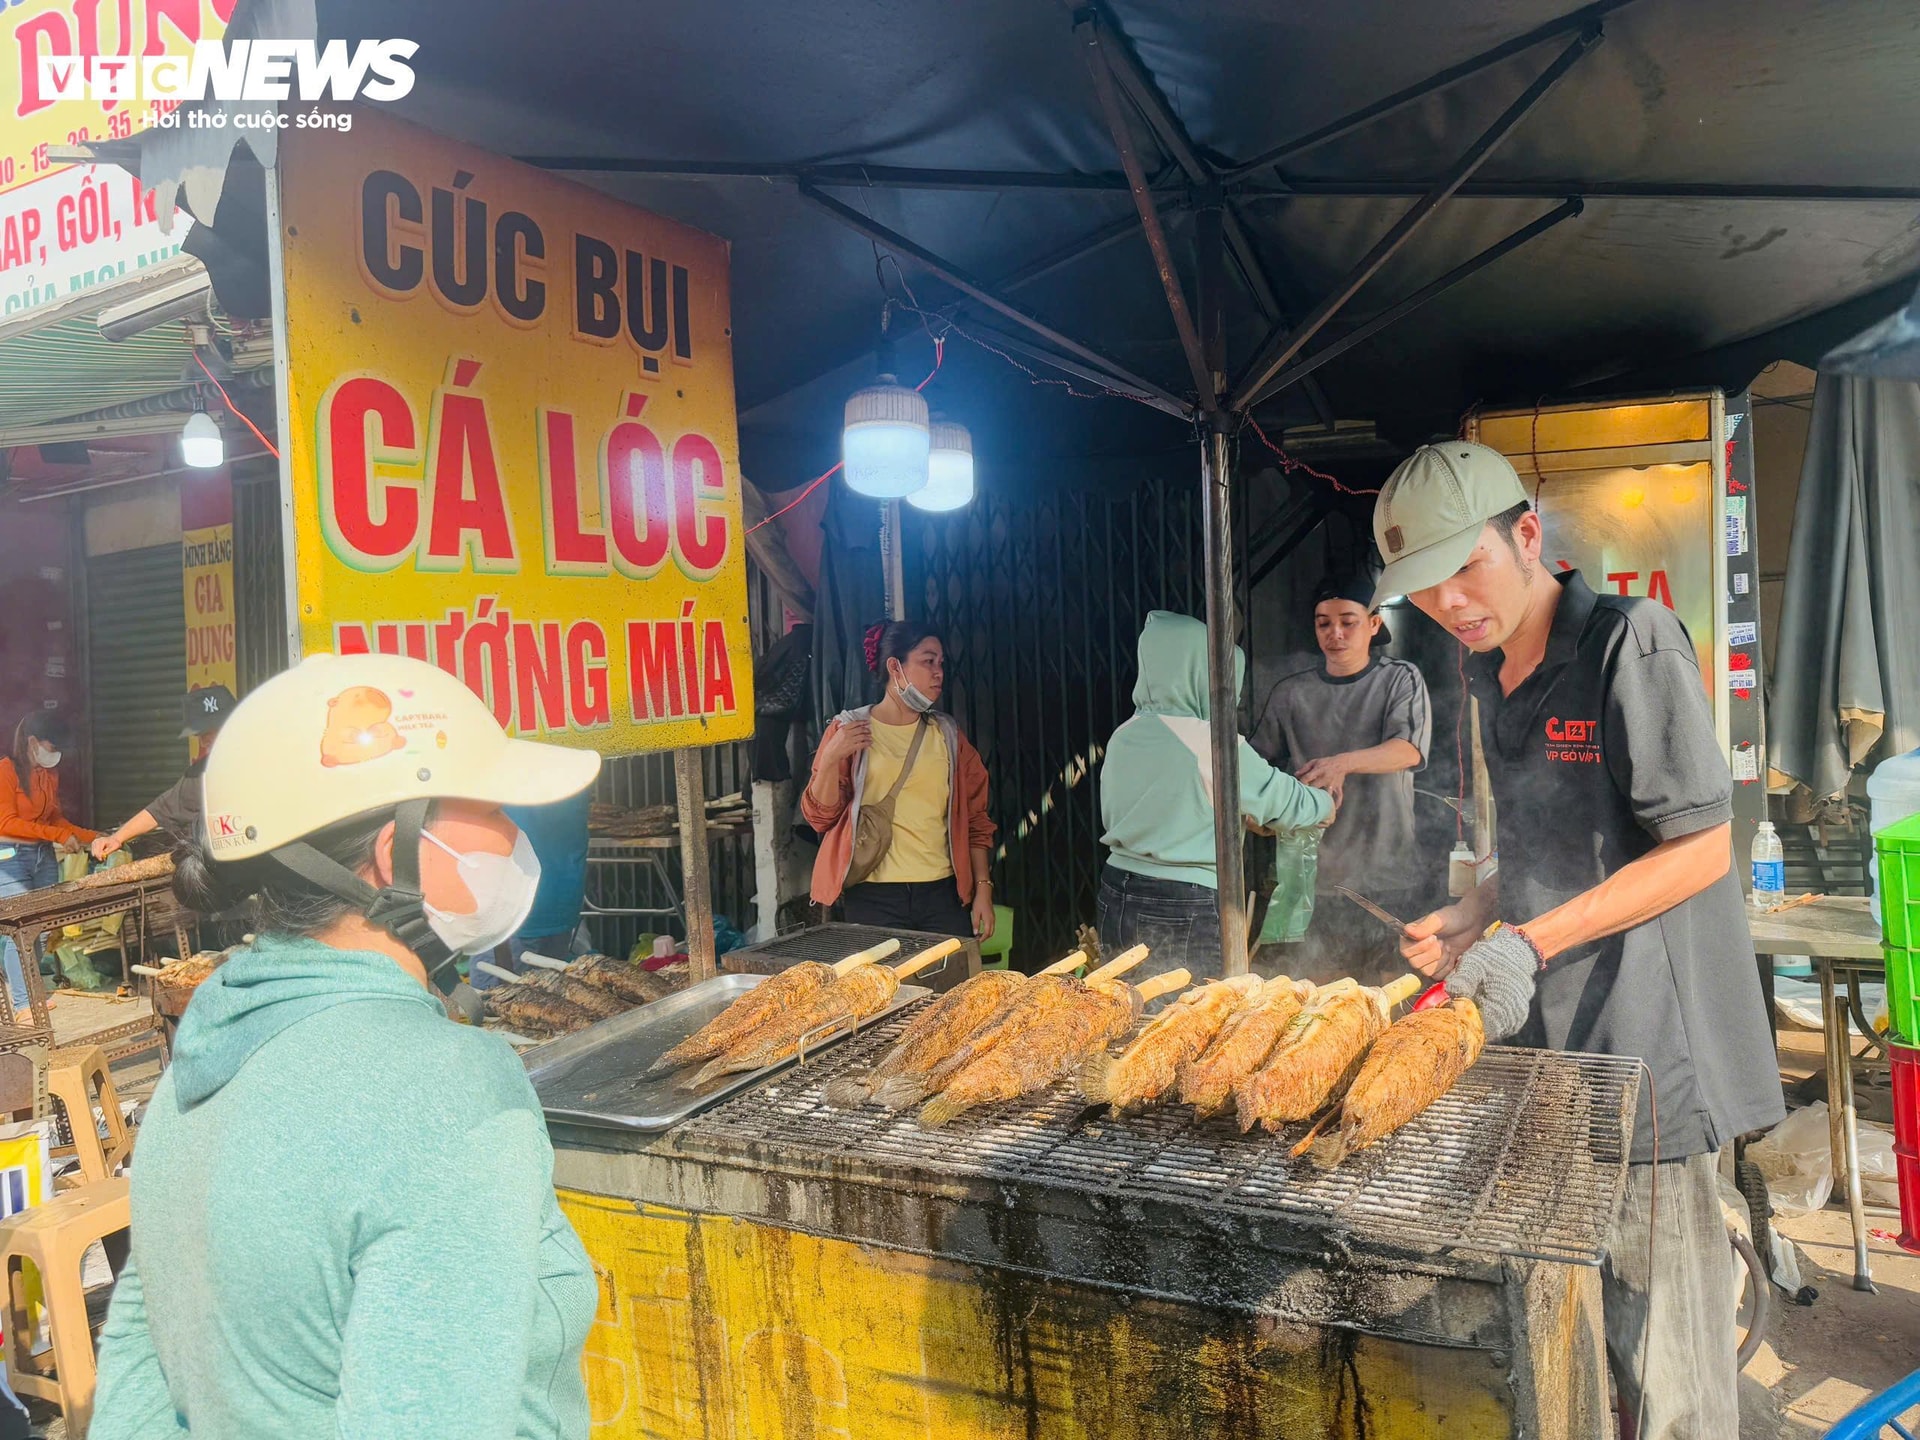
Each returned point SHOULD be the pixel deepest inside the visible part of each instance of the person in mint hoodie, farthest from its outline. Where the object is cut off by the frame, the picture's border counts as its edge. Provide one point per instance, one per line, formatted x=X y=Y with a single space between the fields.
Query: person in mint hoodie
x=344 y=1221
x=1159 y=887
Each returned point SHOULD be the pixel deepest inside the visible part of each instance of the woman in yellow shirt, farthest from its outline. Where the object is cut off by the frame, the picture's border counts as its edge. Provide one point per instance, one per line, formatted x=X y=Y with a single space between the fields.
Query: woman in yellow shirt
x=934 y=874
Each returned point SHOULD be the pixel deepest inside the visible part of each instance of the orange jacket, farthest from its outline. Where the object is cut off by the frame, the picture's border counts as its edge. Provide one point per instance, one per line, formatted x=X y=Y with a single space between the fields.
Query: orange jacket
x=968 y=827
x=34 y=813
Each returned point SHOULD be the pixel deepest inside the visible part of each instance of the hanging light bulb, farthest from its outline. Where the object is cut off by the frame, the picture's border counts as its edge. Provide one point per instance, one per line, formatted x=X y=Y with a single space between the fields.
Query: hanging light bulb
x=201 y=444
x=949 y=470
x=886 y=441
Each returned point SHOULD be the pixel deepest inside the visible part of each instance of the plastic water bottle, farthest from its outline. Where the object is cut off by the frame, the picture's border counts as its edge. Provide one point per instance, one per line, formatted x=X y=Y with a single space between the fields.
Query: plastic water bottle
x=1894 y=793
x=1769 y=867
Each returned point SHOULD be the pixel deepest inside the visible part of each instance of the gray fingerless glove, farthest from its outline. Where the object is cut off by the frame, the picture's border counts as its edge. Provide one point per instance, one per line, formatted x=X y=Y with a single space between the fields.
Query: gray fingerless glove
x=1497 y=975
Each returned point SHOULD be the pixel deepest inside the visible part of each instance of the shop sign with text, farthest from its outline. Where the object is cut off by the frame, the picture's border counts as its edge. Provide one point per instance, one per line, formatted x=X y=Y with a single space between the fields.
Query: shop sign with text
x=514 y=450
x=40 y=38
x=206 y=570
x=80 y=227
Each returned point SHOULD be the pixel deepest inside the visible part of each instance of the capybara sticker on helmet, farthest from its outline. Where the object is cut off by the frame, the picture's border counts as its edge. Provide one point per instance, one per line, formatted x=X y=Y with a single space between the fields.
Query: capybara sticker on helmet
x=359 y=727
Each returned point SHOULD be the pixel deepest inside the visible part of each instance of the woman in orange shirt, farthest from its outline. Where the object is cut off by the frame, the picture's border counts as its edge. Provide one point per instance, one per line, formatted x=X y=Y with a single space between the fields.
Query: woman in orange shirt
x=33 y=831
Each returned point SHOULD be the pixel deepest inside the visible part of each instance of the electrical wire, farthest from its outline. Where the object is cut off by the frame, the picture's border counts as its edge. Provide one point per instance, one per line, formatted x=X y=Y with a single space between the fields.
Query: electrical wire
x=1539 y=479
x=233 y=408
x=1034 y=377
x=949 y=326
x=1289 y=465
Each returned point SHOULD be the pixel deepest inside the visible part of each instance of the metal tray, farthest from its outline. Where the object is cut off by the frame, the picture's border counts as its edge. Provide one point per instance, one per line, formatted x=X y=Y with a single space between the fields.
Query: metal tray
x=598 y=1076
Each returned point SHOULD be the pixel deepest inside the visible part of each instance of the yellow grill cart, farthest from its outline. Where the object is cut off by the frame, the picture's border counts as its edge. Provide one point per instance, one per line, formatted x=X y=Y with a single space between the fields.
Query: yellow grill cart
x=774 y=1267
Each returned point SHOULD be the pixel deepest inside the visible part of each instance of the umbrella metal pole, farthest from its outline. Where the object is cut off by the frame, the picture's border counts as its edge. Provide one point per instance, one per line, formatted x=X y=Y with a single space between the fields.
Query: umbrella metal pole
x=1223 y=701
x=893 y=565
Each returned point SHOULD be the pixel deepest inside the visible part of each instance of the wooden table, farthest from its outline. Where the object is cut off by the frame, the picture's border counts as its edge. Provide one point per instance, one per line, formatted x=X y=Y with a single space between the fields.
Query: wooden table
x=25 y=918
x=1841 y=937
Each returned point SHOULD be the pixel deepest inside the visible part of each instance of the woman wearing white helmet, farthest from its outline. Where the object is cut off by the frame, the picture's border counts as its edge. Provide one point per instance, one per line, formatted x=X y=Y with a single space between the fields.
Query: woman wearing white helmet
x=343 y=1212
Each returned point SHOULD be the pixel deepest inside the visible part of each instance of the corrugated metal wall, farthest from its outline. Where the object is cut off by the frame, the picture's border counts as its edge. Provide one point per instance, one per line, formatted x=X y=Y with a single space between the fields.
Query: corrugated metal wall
x=136 y=674
x=259 y=579
x=1041 y=601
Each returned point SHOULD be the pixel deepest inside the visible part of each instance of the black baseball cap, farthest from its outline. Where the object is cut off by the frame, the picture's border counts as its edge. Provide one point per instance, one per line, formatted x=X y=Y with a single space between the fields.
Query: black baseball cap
x=206 y=709
x=1358 y=588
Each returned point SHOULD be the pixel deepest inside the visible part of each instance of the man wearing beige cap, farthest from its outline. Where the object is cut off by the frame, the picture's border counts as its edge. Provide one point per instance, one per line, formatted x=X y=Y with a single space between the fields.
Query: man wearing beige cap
x=1617 y=924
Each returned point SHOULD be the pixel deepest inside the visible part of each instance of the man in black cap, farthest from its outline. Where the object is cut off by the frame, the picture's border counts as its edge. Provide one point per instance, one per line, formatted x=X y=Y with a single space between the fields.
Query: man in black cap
x=1355 y=723
x=177 y=810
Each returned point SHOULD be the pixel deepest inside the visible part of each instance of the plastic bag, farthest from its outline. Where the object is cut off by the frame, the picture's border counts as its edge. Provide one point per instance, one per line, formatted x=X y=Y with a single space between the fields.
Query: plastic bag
x=1297 y=867
x=1798 y=1002
x=1879 y=1175
x=1796 y=1156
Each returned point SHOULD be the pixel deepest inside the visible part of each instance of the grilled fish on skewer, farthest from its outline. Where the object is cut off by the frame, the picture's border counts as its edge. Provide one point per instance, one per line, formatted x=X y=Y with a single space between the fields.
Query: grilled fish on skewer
x=1074 y=1019
x=937 y=1031
x=1028 y=1007
x=1148 y=1068
x=863 y=991
x=793 y=986
x=1416 y=1062
x=1319 y=1053
x=535 y=1012
x=601 y=1004
x=620 y=978
x=1242 y=1046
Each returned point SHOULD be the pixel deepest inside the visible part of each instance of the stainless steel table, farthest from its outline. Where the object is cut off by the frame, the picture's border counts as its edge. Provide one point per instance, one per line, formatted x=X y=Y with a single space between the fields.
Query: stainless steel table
x=1841 y=937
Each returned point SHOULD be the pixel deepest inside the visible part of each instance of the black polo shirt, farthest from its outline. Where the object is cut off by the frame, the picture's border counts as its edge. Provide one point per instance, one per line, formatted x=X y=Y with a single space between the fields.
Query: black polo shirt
x=1603 y=752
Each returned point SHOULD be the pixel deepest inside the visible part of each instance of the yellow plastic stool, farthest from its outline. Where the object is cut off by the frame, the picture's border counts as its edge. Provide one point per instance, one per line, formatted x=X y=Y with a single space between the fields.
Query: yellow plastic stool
x=54 y=1238
x=80 y=1079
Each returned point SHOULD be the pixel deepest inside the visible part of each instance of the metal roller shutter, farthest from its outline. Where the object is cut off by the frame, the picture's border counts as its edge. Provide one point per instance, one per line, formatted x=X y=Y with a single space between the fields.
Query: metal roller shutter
x=259 y=580
x=136 y=673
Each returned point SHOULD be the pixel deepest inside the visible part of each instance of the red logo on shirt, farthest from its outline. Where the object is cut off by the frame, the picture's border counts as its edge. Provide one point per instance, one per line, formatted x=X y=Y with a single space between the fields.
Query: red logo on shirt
x=1571 y=741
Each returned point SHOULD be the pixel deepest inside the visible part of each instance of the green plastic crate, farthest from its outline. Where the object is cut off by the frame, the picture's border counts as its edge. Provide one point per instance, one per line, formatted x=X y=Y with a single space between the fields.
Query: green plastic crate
x=1898 y=847
x=1903 y=1003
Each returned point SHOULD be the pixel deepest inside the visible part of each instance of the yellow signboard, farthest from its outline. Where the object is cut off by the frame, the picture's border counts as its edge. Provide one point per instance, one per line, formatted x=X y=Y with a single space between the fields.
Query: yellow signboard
x=514 y=450
x=206 y=570
x=33 y=119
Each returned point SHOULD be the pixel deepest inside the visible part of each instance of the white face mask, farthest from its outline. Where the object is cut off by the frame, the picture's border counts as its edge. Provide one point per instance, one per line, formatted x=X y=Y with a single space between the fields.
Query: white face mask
x=914 y=698
x=45 y=756
x=502 y=886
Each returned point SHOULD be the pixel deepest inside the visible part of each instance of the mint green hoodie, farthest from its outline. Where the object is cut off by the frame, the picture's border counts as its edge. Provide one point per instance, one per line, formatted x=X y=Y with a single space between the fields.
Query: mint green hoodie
x=1156 y=795
x=344 y=1223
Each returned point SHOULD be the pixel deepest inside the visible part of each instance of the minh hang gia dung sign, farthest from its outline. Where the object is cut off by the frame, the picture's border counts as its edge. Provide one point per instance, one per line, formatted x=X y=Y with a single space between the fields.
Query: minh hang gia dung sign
x=206 y=575
x=514 y=451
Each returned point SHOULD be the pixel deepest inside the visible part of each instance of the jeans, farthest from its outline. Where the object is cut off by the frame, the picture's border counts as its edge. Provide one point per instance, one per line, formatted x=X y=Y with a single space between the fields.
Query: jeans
x=1681 y=1314
x=34 y=865
x=1178 y=922
x=930 y=905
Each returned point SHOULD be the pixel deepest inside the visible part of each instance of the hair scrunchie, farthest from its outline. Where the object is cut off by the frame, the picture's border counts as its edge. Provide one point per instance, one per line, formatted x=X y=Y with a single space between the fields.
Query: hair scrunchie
x=870 y=645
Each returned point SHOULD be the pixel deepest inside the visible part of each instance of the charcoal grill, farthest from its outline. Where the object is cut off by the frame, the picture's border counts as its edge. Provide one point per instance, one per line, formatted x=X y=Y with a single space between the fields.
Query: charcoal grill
x=1524 y=1157
x=1447 y=1275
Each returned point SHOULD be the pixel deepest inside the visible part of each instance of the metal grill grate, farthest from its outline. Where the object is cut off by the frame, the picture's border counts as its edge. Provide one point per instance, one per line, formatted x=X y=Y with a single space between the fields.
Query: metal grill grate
x=1525 y=1157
